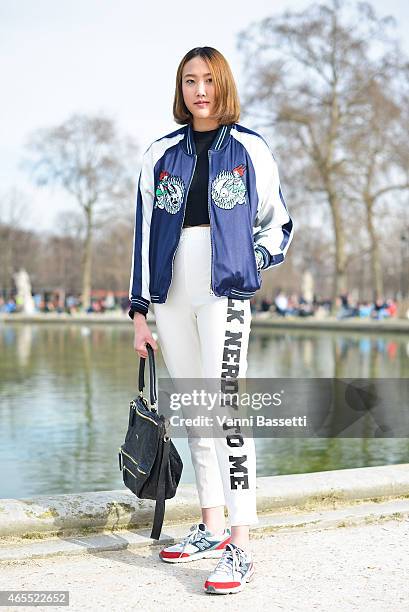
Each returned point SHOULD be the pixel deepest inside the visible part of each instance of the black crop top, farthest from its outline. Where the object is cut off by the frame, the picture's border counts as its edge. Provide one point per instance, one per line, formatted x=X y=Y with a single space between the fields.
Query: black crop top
x=197 y=211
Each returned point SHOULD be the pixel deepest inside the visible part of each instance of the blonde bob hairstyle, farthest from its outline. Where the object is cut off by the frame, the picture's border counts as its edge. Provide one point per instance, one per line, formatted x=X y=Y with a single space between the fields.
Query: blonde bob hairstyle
x=227 y=104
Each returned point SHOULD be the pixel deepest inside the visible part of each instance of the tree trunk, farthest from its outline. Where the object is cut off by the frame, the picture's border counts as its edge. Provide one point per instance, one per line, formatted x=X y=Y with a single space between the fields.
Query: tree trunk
x=86 y=261
x=340 y=281
x=377 y=278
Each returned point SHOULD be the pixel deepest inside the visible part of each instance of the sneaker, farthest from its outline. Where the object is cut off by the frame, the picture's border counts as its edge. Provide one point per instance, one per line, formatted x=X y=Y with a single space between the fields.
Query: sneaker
x=234 y=569
x=198 y=544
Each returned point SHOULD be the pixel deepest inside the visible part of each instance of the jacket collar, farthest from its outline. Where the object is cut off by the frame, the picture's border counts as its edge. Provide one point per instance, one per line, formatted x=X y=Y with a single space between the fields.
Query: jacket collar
x=219 y=142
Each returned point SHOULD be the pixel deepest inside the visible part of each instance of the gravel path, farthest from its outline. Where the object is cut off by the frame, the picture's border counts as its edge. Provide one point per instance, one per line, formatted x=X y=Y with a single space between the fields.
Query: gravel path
x=363 y=568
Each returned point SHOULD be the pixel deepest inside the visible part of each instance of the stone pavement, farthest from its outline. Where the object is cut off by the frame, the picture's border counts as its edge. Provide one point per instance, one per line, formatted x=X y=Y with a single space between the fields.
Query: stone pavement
x=326 y=566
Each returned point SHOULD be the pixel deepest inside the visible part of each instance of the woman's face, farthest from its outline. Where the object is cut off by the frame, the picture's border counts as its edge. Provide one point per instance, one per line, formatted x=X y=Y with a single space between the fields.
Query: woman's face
x=197 y=85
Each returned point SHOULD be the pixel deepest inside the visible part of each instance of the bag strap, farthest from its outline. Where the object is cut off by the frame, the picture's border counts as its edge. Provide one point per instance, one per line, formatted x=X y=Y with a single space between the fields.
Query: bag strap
x=161 y=491
x=152 y=375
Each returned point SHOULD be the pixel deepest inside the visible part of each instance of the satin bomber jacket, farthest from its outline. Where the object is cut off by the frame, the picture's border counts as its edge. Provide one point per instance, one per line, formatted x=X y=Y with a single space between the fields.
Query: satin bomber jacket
x=249 y=219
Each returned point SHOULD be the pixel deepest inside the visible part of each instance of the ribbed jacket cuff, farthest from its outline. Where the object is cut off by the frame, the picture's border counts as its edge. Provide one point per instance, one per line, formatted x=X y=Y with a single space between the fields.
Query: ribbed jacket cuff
x=138 y=304
x=265 y=254
x=131 y=313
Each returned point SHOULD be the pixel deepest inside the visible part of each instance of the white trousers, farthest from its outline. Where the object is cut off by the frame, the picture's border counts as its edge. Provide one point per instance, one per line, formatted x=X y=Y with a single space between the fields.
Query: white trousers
x=204 y=336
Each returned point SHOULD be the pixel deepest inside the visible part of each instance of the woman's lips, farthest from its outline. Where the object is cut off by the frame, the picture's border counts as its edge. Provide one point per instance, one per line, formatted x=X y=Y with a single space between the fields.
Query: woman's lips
x=201 y=103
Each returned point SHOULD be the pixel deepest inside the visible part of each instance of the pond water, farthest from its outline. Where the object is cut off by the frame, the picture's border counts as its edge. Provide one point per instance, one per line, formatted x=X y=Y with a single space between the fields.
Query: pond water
x=65 y=390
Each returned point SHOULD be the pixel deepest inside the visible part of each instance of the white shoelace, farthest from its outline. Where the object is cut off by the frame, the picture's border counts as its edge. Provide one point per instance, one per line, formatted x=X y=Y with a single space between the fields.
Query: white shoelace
x=191 y=537
x=230 y=560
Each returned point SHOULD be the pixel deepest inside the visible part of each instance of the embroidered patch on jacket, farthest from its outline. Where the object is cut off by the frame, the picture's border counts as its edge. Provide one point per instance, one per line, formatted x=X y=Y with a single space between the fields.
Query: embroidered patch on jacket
x=169 y=192
x=228 y=188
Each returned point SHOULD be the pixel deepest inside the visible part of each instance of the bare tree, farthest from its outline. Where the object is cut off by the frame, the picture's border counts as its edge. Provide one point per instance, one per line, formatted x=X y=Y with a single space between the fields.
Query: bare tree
x=86 y=157
x=306 y=77
x=372 y=147
x=13 y=210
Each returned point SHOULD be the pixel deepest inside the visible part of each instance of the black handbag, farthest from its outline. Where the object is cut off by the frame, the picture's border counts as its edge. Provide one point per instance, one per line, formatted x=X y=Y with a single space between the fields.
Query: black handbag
x=151 y=465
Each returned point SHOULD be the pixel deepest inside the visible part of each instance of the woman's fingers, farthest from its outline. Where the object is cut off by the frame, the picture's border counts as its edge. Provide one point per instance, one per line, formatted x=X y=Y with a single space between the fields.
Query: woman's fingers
x=152 y=341
x=140 y=344
x=153 y=344
x=141 y=348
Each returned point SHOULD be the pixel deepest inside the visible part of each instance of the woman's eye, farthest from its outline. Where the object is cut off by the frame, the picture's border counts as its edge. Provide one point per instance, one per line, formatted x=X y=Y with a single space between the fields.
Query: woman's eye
x=191 y=80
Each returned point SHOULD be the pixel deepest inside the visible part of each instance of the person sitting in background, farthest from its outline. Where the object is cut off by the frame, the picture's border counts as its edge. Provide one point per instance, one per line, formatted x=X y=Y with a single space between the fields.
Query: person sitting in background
x=281 y=303
x=109 y=301
x=71 y=304
x=293 y=304
x=347 y=309
x=265 y=305
x=9 y=306
x=365 y=309
x=392 y=307
x=305 y=309
x=380 y=309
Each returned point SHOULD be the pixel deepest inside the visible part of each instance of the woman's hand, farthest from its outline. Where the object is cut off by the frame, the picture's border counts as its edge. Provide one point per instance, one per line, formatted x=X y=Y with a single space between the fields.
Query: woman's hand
x=142 y=335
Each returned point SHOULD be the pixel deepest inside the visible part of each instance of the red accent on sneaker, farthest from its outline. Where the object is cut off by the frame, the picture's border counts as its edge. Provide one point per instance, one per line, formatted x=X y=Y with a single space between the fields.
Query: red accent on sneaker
x=172 y=555
x=222 y=585
x=223 y=544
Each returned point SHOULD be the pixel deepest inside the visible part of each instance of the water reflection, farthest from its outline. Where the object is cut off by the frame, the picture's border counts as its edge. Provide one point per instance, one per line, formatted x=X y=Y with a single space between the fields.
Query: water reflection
x=65 y=389
x=327 y=354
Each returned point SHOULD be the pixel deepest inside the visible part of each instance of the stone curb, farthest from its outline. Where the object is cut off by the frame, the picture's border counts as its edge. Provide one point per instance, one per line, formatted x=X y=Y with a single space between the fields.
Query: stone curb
x=262 y=321
x=15 y=549
x=90 y=512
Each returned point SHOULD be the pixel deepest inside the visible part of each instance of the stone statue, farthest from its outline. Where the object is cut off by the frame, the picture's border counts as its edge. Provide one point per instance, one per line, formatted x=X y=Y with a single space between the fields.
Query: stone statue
x=24 y=297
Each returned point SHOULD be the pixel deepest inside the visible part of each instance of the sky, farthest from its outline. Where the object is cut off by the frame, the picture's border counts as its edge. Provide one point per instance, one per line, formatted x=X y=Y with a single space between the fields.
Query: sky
x=117 y=57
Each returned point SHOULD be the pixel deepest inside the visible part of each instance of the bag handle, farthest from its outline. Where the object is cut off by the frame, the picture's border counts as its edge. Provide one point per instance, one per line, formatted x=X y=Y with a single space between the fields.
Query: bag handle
x=161 y=492
x=152 y=375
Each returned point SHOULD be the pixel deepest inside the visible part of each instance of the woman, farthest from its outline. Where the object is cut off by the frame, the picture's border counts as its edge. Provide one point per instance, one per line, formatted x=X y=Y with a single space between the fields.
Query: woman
x=209 y=216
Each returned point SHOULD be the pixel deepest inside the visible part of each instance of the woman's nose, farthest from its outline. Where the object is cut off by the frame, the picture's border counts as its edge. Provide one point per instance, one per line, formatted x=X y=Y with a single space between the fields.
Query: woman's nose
x=201 y=88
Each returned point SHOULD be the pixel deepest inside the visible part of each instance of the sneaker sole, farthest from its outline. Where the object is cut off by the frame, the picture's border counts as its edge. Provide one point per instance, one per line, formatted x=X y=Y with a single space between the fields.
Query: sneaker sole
x=218 y=591
x=209 y=554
